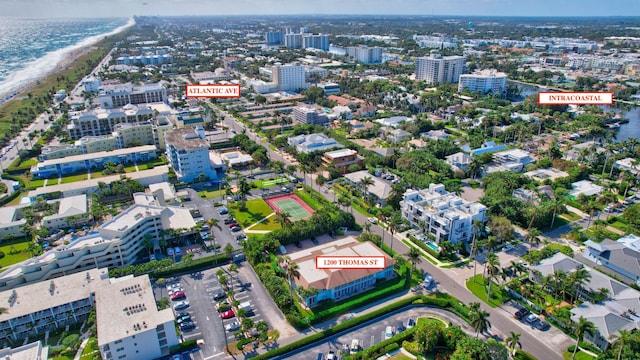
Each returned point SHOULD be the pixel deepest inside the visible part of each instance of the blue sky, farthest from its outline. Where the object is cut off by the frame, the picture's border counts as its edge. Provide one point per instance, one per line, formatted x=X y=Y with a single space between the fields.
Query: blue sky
x=125 y=8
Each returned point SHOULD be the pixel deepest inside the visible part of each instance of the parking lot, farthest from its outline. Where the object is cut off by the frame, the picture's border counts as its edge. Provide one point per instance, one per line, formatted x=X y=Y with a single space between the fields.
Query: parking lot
x=200 y=289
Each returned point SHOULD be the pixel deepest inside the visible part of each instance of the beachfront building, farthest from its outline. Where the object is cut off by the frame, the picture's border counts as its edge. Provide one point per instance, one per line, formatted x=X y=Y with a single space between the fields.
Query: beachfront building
x=113 y=96
x=188 y=154
x=98 y=122
x=437 y=69
x=364 y=54
x=274 y=37
x=129 y=325
x=444 y=215
x=35 y=308
x=342 y=159
x=313 y=142
x=484 y=81
x=86 y=162
x=339 y=284
x=152 y=59
x=115 y=243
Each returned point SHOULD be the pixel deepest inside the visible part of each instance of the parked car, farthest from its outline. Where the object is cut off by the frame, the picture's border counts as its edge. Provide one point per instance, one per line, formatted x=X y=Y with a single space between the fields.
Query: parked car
x=233 y=224
x=542 y=325
x=388 y=332
x=228 y=314
x=223 y=211
x=174 y=290
x=181 y=305
x=521 y=313
x=177 y=251
x=314 y=241
x=411 y=323
x=170 y=251
x=182 y=317
x=372 y=220
x=187 y=326
x=331 y=356
x=241 y=237
x=298 y=244
x=219 y=296
x=236 y=228
x=179 y=295
x=320 y=356
x=507 y=248
x=233 y=326
x=152 y=257
x=229 y=221
x=428 y=281
x=532 y=318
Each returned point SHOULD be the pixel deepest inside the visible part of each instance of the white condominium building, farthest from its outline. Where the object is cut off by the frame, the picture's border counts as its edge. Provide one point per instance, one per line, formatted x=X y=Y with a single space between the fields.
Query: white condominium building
x=116 y=243
x=288 y=77
x=484 y=81
x=99 y=122
x=437 y=69
x=364 y=54
x=188 y=154
x=122 y=94
x=443 y=214
x=129 y=325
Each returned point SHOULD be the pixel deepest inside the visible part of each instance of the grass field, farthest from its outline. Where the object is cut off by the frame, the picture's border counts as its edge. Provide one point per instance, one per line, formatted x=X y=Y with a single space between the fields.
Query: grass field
x=256 y=210
x=90 y=349
x=571 y=216
x=476 y=286
x=74 y=178
x=579 y=356
x=271 y=183
x=269 y=224
x=211 y=194
x=10 y=259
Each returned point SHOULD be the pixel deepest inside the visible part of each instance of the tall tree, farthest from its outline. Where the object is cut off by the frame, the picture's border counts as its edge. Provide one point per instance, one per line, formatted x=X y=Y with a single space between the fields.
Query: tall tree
x=581 y=328
x=493 y=268
x=513 y=341
x=243 y=190
x=622 y=339
x=480 y=321
x=414 y=257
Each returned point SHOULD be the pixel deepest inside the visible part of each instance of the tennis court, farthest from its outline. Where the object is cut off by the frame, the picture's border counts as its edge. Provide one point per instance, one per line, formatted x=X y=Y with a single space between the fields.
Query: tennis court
x=291 y=204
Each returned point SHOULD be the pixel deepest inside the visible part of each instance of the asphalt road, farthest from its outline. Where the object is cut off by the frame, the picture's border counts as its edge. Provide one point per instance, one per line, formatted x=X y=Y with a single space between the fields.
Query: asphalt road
x=501 y=320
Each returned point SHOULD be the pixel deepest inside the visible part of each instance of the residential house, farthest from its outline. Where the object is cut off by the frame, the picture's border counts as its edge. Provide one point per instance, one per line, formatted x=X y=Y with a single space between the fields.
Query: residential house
x=342 y=159
x=379 y=188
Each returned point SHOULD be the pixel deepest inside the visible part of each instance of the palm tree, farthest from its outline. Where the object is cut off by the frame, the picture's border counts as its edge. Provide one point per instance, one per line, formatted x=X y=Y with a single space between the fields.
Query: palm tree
x=414 y=257
x=492 y=270
x=579 y=278
x=589 y=208
x=293 y=271
x=367 y=227
x=213 y=222
x=475 y=168
x=512 y=342
x=558 y=207
x=365 y=182
x=582 y=327
x=394 y=224
x=622 y=338
x=243 y=190
x=479 y=321
x=283 y=218
x=147 y=242
x=534 y=236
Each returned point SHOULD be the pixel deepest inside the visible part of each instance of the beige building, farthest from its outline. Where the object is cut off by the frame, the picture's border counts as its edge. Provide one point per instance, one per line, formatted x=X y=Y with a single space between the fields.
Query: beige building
x=128 y=135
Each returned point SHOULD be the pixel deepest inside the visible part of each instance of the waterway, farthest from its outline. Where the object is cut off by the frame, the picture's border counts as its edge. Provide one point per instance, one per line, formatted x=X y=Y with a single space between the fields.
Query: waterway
x=626 y=130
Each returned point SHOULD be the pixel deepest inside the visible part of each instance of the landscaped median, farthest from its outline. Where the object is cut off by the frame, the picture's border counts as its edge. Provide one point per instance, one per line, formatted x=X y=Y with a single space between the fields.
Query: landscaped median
x=438 y=300
x=478 y=286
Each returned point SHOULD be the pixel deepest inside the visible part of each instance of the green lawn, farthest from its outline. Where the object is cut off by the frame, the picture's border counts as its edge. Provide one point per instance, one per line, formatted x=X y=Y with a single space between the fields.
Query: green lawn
x=211 y=194
x=571 y=216
x=89 y=350
x=74 y=178
x=560 y=221
x=579 y=356
x=37 y=183
x=399 y=356
x=267 y=183
x=476 y=286
x=256 y=210
x=130 y=169
x=10 y=259
x=424 y=321
x=269 y=224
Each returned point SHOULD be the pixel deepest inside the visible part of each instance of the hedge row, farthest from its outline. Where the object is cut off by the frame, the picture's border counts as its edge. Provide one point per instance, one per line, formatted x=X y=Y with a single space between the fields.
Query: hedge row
x=7 y=199
x=195 y=265
x=184 y=346
x=355 y=322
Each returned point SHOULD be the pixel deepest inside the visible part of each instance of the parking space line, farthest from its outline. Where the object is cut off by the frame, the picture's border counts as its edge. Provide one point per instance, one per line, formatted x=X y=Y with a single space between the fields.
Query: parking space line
x=214 y=355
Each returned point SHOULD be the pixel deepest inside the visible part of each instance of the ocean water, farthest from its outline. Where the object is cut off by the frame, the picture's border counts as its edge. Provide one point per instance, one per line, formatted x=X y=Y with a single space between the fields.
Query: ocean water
x=29 y=48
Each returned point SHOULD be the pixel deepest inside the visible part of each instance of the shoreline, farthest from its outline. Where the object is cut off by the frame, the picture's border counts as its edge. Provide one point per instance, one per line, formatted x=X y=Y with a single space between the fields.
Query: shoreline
x=67 y=58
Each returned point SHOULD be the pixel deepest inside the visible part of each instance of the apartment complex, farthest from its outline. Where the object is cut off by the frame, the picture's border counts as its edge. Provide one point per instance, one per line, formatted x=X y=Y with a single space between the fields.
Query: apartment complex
x=307 y=115
x=110 y=96
x=437 y=69
x=35 y=308
x=313 y=142
x=484 y=81
x=116 y=243
x=319 y=41
x=274 y=37
x=342 y=159
x=85 y=162
x=99 y=122
x=365 y=54
x=129 y=325
x=288 y=77
x=293 y=40
x=442 y=214
x=188 y=153
x=339 y=284
x=145 y=59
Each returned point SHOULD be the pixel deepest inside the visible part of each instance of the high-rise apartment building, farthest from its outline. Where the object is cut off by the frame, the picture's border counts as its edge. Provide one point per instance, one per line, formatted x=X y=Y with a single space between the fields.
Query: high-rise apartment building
x=484 y=81
x=364 y=54
x=293 y=41
x=274 y=37
x=319 y=41
x=288 y=77
x=437 y=69
x=188 y=153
